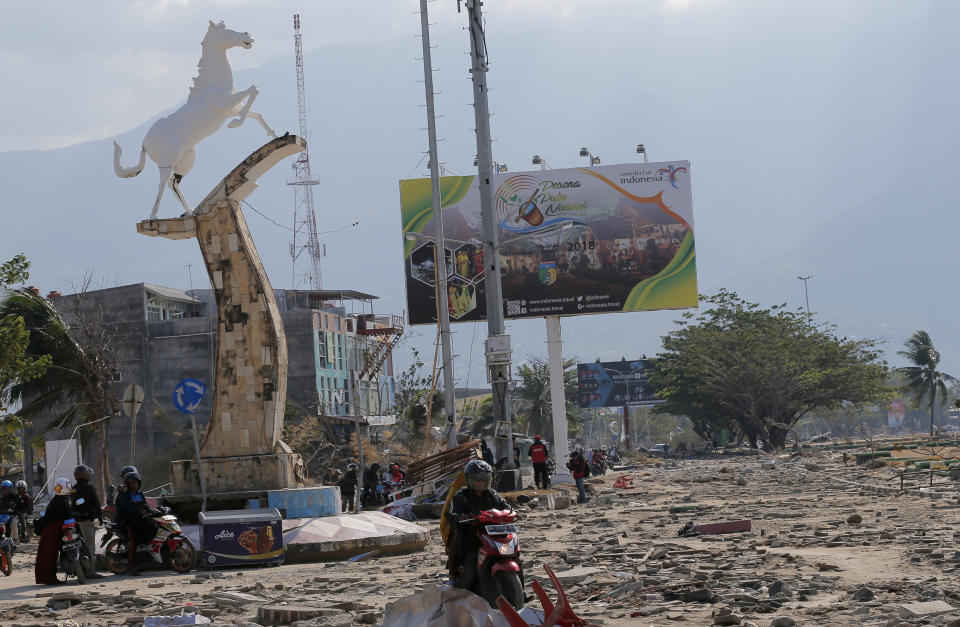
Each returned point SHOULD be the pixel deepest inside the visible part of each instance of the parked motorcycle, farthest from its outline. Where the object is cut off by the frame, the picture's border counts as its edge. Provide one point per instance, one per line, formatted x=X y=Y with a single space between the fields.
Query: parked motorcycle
x=74 y=556
x=169 y=547
x=6 y=546
x=498 y=559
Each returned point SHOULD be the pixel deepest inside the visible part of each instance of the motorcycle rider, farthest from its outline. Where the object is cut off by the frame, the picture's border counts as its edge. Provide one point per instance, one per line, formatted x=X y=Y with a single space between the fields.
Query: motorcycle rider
x=133 y=512
x=371 y=478
x=87 y=512
x=538 y=454
x=118 y=489
x=24 y=504
x=476 y=496
x=48 y=528
x=8 y=505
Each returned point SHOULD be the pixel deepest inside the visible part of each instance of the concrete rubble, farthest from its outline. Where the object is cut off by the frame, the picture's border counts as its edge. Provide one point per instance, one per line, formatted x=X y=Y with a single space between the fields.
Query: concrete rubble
x=824 y=548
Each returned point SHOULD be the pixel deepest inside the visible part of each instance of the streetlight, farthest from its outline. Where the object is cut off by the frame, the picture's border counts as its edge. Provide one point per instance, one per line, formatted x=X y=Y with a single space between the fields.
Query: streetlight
x=540 y=161
x=805 y=292
x=499 y=167
x=591 y=159
x=642 y=150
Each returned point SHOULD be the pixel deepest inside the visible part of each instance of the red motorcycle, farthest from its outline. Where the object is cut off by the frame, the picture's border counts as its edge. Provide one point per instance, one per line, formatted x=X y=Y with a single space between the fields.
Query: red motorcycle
x=498 y=559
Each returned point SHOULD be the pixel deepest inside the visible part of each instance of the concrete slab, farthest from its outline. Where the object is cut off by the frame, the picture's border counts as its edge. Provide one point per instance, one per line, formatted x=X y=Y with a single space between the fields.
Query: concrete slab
x=925 y=609
x=333 y=538
x=732 y=526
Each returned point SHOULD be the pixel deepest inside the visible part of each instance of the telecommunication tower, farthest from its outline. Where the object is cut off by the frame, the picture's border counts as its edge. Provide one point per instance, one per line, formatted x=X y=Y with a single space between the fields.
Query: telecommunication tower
x=304 y=219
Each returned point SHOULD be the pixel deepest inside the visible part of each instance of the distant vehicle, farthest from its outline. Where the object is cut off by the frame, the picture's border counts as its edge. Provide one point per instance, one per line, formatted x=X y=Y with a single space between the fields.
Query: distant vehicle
x=660 y=449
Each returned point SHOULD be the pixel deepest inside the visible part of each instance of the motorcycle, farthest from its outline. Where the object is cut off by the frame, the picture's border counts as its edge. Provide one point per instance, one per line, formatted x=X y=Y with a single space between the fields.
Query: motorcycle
x=6 y=546
x=74 y=556
x=498 y=559
x=598 y=466
x=169 y=546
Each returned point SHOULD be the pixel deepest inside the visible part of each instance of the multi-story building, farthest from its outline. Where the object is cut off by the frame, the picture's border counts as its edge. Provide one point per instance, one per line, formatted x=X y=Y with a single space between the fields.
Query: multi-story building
x=340 y=354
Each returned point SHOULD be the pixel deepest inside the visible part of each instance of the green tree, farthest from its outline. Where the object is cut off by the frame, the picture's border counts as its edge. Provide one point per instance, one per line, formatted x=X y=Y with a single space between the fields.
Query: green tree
x=761 y=368
x=15 y=364
x=412 y=398
x=535 y=411
x=923 y=380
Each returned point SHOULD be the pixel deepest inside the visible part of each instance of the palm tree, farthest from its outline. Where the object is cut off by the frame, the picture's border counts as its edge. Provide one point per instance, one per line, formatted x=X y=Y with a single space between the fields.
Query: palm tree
x=923 y=380
x=533 y=393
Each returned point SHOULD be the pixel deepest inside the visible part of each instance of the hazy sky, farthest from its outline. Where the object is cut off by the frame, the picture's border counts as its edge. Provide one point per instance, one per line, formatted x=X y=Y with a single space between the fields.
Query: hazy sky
x=813 y=128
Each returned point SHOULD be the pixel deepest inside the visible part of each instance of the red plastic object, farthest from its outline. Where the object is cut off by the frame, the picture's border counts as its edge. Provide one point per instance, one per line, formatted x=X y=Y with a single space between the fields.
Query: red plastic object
x=625 y=482
x=561 y=615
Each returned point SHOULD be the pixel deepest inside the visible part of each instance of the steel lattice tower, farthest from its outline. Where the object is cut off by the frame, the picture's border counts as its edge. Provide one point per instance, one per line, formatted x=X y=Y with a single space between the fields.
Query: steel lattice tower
x=304 y=217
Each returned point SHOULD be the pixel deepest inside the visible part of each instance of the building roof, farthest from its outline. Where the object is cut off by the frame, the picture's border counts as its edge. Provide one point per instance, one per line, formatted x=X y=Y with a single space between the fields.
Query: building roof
x=172 y=293
x=338 y=294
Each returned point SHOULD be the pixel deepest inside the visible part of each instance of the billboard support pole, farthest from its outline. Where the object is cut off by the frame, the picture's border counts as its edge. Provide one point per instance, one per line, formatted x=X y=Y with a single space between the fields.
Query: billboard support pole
x=443 y=311
x=557 y=400
x=491 y=253
x=626 y=427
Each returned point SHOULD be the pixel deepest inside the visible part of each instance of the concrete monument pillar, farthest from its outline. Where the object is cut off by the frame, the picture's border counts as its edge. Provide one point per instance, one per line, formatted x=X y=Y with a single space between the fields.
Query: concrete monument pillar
x=242 y=450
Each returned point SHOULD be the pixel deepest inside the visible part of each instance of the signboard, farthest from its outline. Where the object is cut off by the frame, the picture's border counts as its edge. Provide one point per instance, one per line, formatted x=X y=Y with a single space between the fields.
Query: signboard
x=615 y=384
x=896 y=412
x=132 y=400
x=187 y=395
x=572 y=241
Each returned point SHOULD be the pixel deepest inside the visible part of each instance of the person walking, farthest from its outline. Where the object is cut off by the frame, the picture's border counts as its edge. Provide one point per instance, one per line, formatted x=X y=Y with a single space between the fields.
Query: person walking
x=485 y=453
x=578 y=468
x=538 y=457
x=348 y=488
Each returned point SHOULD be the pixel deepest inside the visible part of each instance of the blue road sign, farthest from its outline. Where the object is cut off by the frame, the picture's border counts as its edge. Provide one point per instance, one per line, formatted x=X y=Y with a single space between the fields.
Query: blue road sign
x=187 y=395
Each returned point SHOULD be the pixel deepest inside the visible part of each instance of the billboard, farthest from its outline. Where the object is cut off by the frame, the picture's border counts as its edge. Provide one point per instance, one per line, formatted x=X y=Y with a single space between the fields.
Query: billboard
x=614 y=384
x=572 y=241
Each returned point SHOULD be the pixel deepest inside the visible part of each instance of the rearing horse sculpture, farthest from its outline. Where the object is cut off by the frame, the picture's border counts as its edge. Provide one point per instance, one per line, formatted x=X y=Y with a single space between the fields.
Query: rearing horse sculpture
x=170 y=141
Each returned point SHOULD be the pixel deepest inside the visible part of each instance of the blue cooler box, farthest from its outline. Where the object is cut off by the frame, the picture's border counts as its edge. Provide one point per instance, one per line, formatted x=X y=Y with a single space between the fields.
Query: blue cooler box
x=239 y=537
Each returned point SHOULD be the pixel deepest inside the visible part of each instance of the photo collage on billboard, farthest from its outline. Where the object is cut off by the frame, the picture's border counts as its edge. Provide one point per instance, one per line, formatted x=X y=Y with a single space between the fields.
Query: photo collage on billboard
x=571 y=242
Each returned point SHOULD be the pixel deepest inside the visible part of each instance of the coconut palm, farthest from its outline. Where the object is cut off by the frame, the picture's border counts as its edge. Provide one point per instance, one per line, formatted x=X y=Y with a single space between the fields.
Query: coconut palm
x=923 y=380
x=535 y=411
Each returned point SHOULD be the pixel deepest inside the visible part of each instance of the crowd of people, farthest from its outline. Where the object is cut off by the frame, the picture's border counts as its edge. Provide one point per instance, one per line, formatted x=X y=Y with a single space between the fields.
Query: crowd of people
x=78 y=500
x=378 y=485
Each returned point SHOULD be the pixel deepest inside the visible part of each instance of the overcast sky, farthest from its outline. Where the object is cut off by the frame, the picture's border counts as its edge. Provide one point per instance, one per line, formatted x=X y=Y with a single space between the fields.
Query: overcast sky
x=811 y=127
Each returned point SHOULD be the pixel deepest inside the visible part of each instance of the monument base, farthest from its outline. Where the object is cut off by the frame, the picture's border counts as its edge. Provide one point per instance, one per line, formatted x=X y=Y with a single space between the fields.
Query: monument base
x=244 y=473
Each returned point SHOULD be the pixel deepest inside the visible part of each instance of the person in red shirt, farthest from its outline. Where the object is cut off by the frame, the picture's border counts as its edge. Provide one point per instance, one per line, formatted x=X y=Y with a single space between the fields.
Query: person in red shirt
x=578 y=466
x=538 y=456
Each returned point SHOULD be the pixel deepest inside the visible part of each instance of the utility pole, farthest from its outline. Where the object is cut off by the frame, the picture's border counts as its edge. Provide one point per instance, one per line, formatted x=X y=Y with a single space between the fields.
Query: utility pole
x=439 y=244
x=805 y=292
x=498 y=343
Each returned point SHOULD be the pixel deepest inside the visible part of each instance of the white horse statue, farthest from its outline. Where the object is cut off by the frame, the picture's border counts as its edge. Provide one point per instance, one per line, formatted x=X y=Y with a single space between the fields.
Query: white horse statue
x=170 y=141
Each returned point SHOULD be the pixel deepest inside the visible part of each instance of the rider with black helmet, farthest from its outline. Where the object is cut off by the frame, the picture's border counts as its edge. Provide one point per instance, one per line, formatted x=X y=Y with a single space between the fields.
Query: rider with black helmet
x=471 y=499
x=86 y=509
x=133 y=512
